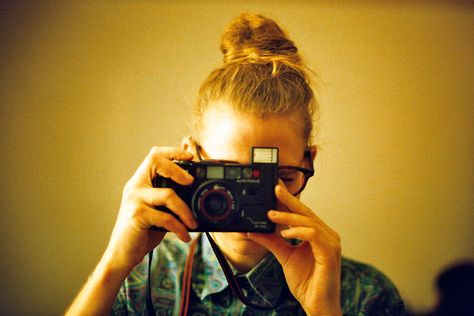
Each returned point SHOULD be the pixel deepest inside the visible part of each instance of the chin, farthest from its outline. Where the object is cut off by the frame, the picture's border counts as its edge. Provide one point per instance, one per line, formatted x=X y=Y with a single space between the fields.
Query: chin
x=239 y=243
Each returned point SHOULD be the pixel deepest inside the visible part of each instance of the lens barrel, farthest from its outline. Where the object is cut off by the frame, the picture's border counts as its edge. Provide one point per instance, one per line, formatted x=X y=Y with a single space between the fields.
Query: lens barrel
x=214 y=204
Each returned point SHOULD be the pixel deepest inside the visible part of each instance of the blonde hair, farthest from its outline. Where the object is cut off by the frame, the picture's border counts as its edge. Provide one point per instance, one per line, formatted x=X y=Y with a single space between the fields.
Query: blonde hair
x=262 y=74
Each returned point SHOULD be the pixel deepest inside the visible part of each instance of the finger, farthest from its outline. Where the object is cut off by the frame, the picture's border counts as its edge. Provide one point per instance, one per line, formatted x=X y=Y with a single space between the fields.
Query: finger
x=290 y=219
x=168 y=222
x=167 y=197
x=294 y=205
x=311 y=229
x=279 y=247
x=325 y=247
x=171 y=153
x=169 y=169
x=291 y=202
x=159 y=156
x=302 y=233
x=311 y=234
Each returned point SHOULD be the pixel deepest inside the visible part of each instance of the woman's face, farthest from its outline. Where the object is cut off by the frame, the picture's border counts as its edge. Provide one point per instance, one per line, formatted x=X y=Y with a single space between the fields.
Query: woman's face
x=230 y=135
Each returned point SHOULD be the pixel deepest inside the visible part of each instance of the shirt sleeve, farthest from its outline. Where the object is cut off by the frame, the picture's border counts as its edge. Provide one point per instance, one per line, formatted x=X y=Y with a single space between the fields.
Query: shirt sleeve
x=120 y=304
x=130 y=299
x=166 y=269
x=381 y=298
x=367 y=291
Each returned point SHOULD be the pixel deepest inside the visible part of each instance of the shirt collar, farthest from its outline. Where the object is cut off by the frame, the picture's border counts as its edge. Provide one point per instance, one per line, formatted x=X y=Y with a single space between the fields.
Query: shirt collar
x=263 y=284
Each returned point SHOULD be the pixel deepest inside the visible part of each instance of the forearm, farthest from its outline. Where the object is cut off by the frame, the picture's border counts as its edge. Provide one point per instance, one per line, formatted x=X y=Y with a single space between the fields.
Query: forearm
x=100 y=290
x=132 y=237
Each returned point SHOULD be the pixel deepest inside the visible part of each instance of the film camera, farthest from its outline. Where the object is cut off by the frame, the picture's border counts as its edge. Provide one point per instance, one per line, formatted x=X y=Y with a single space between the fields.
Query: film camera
x=229 y=197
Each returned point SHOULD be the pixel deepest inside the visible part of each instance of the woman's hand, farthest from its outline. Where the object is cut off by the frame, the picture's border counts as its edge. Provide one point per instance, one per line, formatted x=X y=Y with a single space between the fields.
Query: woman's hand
x=133 y=237
x=313 y=268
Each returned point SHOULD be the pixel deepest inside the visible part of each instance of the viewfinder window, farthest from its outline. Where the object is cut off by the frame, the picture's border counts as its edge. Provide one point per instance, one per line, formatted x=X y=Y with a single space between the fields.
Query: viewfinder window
x=215 y=172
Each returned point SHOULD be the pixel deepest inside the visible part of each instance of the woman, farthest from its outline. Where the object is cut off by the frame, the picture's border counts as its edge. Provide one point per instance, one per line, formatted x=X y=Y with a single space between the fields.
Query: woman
x=261 y=96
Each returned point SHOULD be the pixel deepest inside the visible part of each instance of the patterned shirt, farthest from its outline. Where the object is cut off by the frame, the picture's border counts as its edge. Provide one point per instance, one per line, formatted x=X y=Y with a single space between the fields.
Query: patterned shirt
x=364 y=290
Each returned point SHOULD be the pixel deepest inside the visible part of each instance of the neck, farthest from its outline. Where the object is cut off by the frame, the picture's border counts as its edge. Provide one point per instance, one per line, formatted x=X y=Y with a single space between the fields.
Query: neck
x=242 y=257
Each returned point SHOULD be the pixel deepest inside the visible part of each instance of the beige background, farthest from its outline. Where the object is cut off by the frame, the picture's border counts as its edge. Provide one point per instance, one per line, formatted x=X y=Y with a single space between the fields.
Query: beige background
x=87 y=88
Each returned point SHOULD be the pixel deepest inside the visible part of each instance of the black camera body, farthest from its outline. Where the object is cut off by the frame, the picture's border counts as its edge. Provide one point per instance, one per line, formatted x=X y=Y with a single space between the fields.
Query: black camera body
x=229 y=197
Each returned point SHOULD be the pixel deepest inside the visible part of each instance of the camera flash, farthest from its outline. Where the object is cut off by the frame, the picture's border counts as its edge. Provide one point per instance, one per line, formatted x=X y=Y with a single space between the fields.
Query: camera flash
x=265 y=155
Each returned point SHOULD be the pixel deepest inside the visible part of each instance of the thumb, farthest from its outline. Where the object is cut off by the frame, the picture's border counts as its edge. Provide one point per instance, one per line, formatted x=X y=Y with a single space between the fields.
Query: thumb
x=277 y=245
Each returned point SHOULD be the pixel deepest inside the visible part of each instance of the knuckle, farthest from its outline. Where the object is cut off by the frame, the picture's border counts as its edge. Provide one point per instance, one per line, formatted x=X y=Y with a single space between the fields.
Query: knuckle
x=167 y=194
x=164 y=167
x=338 y=249
x=338 y=245
x=154 y=156
x=130 y=194
x=155 y=201
x=313 y=232
x=138 y=212
x=165 y=197
x=160 y=169
x=166 y=220
x=128 y=187
x=154 y=151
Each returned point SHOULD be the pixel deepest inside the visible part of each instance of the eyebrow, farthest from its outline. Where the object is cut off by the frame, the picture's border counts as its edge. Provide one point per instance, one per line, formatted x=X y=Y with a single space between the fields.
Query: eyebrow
x=286 y=169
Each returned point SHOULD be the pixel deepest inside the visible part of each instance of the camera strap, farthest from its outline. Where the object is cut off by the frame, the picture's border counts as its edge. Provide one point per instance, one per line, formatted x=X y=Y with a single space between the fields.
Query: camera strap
x=231 y=279
x=187 y=276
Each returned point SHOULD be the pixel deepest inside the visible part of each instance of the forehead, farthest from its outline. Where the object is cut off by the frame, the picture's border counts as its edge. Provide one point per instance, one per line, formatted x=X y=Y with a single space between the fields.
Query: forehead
x=229 y=134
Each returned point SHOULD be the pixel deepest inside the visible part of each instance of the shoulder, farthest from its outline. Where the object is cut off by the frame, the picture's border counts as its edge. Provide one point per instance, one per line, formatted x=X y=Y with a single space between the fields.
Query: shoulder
x=365 y=290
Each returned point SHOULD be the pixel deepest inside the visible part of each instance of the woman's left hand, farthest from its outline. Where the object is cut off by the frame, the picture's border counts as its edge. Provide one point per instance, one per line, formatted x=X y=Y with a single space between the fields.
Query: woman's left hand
x=313 y=268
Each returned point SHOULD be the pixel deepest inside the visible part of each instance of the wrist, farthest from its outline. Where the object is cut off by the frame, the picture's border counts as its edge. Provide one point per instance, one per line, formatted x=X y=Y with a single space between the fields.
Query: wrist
x=98 y=294
x=332 y=312
x=113 y=264
x=321 y=310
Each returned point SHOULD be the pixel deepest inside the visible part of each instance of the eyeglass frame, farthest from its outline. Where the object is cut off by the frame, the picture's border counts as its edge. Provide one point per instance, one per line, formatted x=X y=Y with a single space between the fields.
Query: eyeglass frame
x=307 y=172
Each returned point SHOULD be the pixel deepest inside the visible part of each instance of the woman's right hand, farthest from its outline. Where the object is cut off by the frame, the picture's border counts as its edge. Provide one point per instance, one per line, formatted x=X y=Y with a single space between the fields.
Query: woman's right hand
x=133 y=236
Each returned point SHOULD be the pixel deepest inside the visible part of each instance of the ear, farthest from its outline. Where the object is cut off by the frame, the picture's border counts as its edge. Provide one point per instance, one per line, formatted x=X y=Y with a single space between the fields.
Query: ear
x=314 y=151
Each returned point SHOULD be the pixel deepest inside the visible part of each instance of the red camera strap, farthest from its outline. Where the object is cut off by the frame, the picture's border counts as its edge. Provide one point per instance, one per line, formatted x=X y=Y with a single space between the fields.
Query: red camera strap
x=187 y=276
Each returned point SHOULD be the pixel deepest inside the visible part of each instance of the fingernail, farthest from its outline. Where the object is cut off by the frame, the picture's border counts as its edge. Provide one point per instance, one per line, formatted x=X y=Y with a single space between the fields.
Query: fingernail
x=189 y=178
x=272 y=213
x=279 y=188
x=187 y=238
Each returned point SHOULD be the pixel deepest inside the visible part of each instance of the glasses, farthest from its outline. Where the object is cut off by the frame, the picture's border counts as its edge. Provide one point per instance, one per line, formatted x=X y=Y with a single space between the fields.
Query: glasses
x=295 y=178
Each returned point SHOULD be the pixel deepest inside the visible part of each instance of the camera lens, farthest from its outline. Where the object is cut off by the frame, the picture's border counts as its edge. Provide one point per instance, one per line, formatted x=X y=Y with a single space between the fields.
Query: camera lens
x=214 y=204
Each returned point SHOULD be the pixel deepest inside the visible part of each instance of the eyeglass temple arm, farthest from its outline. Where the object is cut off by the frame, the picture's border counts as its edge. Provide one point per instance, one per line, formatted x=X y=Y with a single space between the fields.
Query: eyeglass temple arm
x=309 y=156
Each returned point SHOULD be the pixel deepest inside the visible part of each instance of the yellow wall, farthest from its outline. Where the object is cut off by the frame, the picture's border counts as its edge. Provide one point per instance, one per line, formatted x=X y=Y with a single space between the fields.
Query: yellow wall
x=87 y=88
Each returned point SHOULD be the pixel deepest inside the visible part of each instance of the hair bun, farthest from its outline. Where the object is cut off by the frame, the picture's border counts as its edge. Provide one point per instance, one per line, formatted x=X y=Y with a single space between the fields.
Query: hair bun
x=256 y=38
